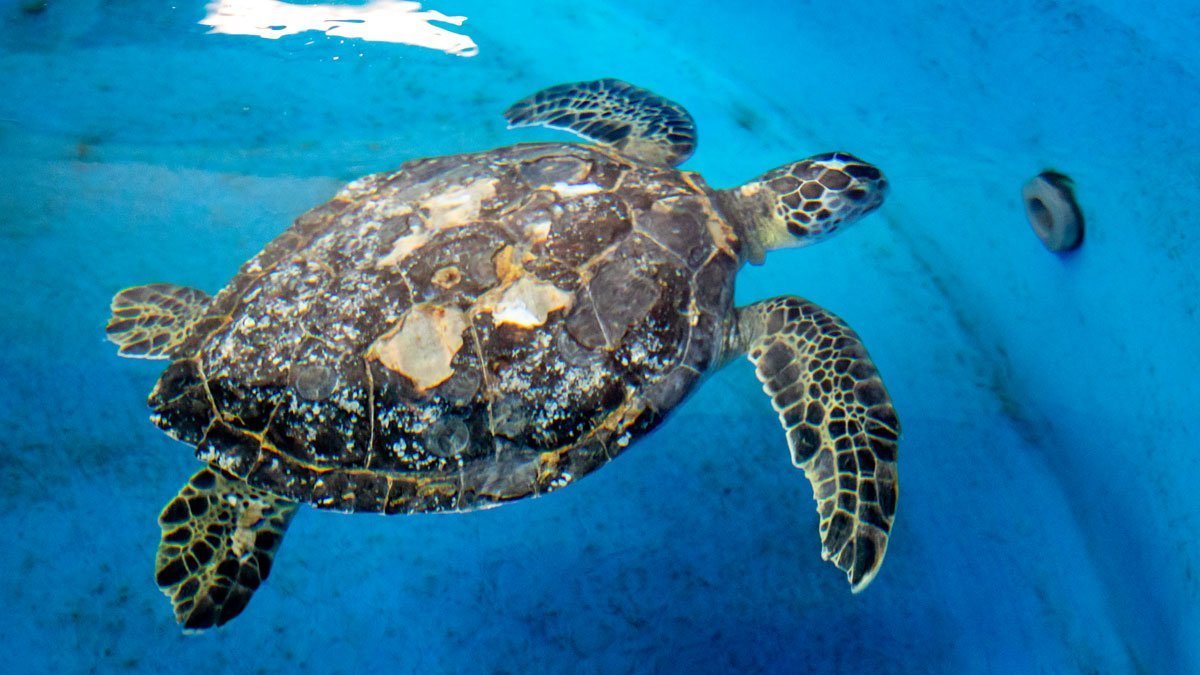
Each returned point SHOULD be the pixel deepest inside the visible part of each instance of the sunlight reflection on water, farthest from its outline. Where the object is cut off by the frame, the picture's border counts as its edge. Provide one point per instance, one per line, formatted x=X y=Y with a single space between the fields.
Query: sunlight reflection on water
x=377 y=21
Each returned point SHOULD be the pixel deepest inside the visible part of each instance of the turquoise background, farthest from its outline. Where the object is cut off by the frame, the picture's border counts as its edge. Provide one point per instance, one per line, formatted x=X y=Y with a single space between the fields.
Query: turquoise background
x=1049 y=519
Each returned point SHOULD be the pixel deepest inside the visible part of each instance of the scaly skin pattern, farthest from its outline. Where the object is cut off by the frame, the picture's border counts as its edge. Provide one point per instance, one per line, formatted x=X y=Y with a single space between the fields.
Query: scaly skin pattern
x=841 y=426
x=458 y=333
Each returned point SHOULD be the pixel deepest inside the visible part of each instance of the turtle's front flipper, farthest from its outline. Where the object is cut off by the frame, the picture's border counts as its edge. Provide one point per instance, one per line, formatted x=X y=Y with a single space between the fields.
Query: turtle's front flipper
x=150 y=322
x=639 y=123
x=219 y=537
x=840 y=424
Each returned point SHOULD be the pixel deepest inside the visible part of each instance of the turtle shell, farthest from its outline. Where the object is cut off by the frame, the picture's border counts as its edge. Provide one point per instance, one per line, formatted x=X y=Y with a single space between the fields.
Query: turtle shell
x=463 y=331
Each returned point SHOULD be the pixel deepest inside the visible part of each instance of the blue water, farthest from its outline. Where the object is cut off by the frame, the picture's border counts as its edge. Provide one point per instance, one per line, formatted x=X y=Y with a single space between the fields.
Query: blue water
x=1049 y=519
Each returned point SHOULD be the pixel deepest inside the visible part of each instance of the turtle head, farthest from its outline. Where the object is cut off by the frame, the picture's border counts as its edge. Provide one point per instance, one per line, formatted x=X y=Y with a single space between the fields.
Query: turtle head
x=803 y=202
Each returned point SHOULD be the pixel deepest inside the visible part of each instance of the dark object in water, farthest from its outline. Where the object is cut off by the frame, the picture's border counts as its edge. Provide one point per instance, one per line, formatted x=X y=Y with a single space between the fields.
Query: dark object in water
x=1053 y=212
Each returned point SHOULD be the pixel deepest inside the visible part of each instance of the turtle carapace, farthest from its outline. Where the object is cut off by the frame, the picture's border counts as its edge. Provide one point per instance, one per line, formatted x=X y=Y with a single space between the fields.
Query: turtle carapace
x=470 y=330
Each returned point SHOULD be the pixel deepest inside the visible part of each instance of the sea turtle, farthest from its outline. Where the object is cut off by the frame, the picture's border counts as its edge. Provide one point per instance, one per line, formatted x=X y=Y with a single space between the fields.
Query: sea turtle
x=473 y=329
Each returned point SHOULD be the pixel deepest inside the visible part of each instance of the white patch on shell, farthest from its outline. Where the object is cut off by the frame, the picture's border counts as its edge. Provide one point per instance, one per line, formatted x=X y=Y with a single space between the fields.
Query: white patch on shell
x=357 y=187
x=528 y=302
x=422 y=345
x=402 y=248
x=538 y=230
x=458 y=206
x=453 y=207
x=567 y=190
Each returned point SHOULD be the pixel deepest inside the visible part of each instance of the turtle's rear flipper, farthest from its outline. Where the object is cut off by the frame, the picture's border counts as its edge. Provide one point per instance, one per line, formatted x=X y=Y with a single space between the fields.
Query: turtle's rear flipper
x=150 y=322
x=840 y=423
x=219 y=538
x=639 y=123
